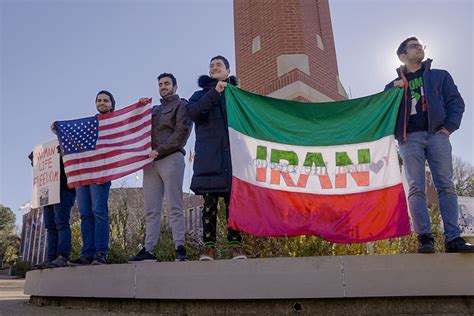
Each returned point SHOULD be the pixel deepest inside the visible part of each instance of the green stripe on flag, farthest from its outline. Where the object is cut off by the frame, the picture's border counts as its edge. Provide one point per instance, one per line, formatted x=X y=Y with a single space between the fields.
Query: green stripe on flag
x=313 y=124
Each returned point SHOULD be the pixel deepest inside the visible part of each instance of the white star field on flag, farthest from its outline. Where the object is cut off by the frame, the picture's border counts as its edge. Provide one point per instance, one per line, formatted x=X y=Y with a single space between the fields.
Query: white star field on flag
x=78 y=135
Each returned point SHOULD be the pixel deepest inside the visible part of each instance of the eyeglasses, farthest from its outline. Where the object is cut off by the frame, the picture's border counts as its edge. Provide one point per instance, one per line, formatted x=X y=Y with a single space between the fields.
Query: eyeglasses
x=416 y=45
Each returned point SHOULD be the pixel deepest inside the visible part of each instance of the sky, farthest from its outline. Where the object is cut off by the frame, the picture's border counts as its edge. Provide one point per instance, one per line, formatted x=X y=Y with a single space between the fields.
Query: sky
x=56 y=55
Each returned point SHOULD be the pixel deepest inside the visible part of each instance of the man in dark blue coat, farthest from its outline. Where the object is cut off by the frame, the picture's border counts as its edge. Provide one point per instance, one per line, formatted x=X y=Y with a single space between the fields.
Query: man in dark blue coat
x=430 y=112
x=212 y=176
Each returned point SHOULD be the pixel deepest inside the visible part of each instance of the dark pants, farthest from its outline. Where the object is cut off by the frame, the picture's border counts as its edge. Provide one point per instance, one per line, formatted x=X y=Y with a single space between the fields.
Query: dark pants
x=209 y=220
x=56 y=220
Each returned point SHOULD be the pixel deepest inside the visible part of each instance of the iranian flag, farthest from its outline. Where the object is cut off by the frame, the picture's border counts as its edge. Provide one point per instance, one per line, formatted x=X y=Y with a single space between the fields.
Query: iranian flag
x=327 y=169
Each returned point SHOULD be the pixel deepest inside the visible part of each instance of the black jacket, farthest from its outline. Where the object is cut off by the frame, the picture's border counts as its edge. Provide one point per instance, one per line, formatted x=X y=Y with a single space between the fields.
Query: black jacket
x=445 y=104
x=212 y=161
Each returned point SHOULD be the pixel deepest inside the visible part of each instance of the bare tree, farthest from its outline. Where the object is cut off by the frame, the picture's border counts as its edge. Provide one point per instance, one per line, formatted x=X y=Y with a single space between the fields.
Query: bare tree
x=127 y=219
x=463 y=177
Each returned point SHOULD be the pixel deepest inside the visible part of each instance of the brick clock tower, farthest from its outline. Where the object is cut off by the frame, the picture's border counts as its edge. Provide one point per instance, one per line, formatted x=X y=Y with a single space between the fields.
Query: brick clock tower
x=285 y=49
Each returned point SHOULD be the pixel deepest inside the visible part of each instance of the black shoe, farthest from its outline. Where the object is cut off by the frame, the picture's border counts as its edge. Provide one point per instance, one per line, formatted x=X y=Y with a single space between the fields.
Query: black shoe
x=426 y=244
x=99 y=259
x=81 y=261
x=142 y=256
x=459 y=245
x=181 y=254
x=59 y=262
x=42 y=265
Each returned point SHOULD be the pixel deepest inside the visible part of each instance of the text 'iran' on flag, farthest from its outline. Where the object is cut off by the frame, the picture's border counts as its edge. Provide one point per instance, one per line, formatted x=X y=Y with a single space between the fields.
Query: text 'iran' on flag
x=328 y=169
x=106 y=147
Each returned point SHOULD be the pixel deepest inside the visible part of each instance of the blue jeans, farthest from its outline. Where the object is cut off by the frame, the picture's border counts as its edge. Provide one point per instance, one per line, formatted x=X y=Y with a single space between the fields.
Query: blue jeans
x=56 y=221
x=92 y=201
x=436 y=149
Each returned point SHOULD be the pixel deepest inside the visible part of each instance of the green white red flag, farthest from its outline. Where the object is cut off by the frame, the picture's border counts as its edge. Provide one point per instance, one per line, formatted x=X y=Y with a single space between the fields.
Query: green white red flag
x=328 y=169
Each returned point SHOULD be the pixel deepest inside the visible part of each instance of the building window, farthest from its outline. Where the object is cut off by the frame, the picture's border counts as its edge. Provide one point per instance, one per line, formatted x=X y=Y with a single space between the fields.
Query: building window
x=319 y=42
x=255 y=44
x=190 y=220
x=199 y=216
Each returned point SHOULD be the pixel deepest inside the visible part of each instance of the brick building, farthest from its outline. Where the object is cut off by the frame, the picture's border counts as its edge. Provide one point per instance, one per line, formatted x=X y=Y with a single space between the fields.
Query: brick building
x=285 y=49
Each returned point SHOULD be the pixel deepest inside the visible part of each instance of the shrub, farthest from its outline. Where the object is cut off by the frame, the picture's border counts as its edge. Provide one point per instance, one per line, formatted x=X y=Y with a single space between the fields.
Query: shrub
x=20 y=268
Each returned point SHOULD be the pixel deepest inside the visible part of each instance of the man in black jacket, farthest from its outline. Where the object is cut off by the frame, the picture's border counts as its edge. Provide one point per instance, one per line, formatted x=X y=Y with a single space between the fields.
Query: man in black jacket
x=56 y=221
x=212 y=176
x=430 y=112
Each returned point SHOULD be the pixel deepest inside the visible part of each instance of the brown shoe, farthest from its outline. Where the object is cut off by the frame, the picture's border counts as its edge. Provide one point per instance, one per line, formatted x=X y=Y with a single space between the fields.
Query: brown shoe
x=208 y=254
x=236 y=253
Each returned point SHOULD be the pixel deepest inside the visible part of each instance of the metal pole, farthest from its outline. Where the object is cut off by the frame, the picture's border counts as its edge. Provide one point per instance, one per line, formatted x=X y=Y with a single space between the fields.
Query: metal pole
x=34 y=238
x=24 y=232
x=31 y=234
x=44 y=243
x=40 y=221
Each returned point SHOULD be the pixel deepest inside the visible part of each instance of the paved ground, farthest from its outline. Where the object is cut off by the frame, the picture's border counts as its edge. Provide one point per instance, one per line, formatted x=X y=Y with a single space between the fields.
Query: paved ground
x=12 y=288
x=12 y=299
x=14 y=302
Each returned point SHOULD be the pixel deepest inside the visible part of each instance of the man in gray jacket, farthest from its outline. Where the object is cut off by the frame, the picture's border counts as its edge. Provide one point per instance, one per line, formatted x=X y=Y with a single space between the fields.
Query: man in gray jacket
x=164 y=177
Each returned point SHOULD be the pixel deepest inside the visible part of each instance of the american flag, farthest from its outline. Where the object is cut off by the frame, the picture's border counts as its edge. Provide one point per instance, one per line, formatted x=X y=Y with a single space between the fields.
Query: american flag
x=105 y=147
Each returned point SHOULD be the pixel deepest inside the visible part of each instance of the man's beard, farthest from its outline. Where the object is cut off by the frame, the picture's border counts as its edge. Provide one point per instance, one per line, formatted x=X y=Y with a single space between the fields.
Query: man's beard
x=417 y=60
x=167 y=94
x=104 y=111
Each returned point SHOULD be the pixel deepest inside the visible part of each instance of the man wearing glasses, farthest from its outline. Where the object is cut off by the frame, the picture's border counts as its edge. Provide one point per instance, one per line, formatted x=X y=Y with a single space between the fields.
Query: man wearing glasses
x=431 y=110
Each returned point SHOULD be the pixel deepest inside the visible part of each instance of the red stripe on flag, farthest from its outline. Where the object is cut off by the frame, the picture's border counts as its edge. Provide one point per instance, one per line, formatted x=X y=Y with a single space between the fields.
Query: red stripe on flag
x=127 y=142
x=123 y=122
x=105 y=179
x=124 y=110
x=108 y=154
x=127 y=132
x=108 y=166
x=348 y=218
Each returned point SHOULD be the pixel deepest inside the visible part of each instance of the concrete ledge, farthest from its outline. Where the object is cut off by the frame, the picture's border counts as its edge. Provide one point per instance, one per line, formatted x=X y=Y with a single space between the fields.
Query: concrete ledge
x=409 y=275
x=265 y=279
x=435 y=305
x=115 y=280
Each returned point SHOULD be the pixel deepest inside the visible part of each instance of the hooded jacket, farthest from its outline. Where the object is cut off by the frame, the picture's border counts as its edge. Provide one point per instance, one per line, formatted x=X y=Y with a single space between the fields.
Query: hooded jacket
x=445 y=104
x=212 y=162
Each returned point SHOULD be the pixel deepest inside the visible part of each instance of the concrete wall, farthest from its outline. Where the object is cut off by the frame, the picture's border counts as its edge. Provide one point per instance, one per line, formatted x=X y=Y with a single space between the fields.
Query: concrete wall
x=280 y=278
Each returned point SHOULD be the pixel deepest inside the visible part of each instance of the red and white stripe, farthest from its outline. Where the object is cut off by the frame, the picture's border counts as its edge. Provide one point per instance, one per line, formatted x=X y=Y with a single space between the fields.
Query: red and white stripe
x=122 y=147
